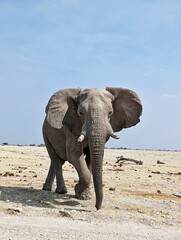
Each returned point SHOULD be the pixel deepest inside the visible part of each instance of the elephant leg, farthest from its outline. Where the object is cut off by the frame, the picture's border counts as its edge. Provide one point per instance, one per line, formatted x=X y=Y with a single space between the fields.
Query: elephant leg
x=61 y=188
x=75 y=155
x=50 y=178
x=55 y=170
x=82 y=188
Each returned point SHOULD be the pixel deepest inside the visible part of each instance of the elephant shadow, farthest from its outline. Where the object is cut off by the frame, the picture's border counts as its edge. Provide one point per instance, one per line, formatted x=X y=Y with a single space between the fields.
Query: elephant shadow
x=37 y=198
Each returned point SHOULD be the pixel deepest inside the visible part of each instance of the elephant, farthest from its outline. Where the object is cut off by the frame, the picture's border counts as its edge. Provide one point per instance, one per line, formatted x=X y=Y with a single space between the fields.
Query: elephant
x=77 y=125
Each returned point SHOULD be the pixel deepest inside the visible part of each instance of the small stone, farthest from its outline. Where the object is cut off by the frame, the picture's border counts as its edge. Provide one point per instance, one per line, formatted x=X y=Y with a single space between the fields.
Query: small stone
x=156 y=172
x=14 y=210
x=73 y=211
x=152 y=223
x=178 y=194
x=159 y=162
x=140 y=211
x=117 y=208
x=64 y=213
x=112 y=189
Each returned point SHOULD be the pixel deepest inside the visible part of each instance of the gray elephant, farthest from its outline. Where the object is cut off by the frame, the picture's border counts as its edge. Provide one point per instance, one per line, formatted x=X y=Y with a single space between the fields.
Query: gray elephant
x=77 y=125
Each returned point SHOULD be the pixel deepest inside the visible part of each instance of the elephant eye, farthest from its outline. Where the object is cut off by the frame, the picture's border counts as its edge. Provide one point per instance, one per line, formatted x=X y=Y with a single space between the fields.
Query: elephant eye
x=110 y=113
x=80 y=113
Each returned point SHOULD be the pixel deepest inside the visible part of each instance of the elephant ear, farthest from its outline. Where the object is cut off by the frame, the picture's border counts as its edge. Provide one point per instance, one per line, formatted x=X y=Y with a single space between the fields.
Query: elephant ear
x=61 y=110
x=127 y=108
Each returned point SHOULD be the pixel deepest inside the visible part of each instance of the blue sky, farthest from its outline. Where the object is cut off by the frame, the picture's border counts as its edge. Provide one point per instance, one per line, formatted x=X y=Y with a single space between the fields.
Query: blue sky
x=51 y=44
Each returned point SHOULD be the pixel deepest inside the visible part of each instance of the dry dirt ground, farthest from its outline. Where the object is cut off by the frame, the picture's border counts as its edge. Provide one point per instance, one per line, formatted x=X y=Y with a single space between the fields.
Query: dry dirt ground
x=139 y=200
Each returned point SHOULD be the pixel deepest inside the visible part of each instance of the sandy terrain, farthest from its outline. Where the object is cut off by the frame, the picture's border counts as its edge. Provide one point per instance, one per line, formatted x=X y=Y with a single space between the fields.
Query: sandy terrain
x=139 y=200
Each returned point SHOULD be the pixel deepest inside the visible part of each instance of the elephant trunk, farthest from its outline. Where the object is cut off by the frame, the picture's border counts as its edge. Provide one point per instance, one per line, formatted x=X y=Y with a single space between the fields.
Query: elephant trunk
x=97 y=153
x=97 y=144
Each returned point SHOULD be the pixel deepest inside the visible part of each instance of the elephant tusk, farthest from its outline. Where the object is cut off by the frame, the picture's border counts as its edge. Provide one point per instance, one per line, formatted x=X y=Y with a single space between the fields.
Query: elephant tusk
x=81 y=138
x=115 y=136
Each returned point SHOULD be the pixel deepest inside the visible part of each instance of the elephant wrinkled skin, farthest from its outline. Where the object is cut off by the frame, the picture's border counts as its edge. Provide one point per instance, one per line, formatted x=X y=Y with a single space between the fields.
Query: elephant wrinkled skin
x=77 y=125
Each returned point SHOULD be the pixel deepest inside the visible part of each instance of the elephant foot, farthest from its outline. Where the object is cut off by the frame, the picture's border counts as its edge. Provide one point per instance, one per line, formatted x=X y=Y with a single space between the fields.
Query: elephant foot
x=82 y=193
x=47 y=187
x=62 y=190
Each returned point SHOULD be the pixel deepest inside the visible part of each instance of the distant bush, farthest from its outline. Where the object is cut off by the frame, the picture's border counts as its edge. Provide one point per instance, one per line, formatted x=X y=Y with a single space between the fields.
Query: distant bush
x=5 y=143
x=41 y=145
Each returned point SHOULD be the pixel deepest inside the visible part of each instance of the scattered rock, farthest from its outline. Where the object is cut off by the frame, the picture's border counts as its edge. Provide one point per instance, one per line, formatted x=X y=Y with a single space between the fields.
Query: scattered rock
x=116 y=169
x=8 y=174
x=156 y=172
x=64 y=213
x=22 y=167
x=177 y=194
x=13 y=210
x=140 y=210
x=117 y=208
x=158 y=191
x=159 y=162
x=177 y=173
x=112 y=189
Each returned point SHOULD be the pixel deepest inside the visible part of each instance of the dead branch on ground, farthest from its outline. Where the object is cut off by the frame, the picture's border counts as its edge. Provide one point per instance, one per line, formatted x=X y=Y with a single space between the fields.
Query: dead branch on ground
x=122 y=159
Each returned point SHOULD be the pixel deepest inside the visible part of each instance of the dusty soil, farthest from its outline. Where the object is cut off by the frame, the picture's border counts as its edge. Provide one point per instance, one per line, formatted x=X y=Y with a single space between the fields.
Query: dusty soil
x=139 y=200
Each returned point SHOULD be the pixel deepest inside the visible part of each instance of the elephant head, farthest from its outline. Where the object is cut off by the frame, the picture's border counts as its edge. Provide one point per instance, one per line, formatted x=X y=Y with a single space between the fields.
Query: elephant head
x=93 y=115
